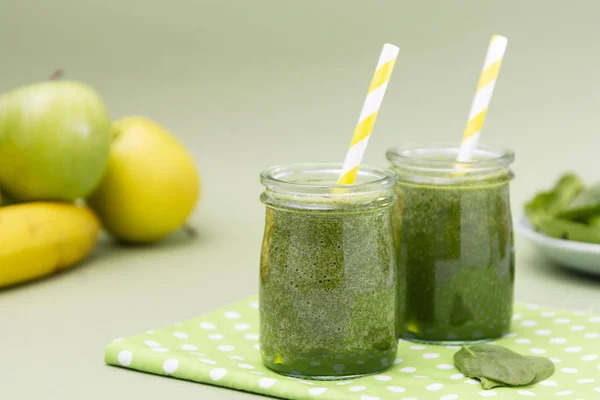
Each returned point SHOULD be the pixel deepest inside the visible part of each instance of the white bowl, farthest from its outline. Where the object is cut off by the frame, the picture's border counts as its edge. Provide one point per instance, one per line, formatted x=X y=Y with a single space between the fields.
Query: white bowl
x=580 y=256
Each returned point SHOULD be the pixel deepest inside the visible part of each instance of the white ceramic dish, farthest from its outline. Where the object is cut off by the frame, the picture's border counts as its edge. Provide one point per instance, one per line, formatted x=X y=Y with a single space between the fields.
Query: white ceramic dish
x=584 y=257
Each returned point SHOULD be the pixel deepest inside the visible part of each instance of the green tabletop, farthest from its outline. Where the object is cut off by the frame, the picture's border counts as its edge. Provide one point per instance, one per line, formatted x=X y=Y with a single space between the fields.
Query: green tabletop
x=249 y=84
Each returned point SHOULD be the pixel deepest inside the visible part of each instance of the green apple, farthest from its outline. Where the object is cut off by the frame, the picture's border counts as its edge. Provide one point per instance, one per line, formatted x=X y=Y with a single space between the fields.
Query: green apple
x=54 y=141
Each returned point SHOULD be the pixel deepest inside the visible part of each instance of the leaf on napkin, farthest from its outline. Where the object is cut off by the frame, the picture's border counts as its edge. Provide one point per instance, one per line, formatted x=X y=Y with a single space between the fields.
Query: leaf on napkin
x=496 y=366
x=494 y=362
x=544 y=368
x=490 y=383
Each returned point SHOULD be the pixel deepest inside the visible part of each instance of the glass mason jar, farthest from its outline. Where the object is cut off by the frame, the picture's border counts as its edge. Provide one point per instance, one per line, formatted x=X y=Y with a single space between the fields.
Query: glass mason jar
x=455 y=245
x=328 y=277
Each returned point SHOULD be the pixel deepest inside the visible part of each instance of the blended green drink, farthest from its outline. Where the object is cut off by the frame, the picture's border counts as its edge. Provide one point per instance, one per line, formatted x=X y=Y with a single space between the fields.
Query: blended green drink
x=454 y=234
x=328 y=277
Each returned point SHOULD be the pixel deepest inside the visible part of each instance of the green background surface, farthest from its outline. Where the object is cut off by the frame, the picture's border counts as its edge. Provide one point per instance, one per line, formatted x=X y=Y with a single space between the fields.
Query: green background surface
x=248 y=84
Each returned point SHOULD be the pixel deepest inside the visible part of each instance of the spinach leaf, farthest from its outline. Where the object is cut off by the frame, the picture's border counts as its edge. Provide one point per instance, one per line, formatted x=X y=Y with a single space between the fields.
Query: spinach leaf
x=562 y=211
x=544 y=368
x=490 y=383
x=548 y=204
x=585 y=205
x=569 y=230
x=497 y=366
x=594 y=222
x=496 y=363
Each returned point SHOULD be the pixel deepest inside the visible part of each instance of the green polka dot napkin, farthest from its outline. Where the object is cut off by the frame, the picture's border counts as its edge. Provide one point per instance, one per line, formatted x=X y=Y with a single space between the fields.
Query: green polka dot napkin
x=221 y=348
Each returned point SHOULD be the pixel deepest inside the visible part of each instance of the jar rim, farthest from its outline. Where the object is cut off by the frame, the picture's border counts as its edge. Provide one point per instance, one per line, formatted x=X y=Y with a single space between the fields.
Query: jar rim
x=286 y=178
x=491 y=157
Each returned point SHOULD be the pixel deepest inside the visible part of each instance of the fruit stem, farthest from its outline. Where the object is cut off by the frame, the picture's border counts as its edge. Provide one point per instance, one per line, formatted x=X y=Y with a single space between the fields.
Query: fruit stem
x=56 y=75
x=189 y=230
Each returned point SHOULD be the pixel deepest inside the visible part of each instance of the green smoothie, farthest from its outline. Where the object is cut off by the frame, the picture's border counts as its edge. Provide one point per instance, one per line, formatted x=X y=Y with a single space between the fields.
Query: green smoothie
x=328 y=286
x=455 y=255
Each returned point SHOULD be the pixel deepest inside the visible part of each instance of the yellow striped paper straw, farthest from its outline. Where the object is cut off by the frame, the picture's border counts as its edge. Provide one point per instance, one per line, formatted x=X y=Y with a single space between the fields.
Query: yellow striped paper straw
x=483 y=95
x=371 y=106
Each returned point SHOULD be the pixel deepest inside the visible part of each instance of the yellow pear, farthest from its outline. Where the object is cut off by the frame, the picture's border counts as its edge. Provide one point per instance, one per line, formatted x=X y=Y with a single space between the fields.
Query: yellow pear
x=150 y=185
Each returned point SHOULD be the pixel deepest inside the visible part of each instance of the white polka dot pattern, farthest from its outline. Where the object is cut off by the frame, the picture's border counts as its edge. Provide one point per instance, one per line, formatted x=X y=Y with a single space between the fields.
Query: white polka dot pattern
x=171 y=365
x=216 y=374
x=434 y=386
x=230 y=355
x=396 y=389
x=125 y=357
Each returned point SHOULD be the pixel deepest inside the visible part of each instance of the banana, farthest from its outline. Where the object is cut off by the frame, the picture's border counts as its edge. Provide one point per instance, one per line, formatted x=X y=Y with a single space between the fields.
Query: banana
x=41 y=238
